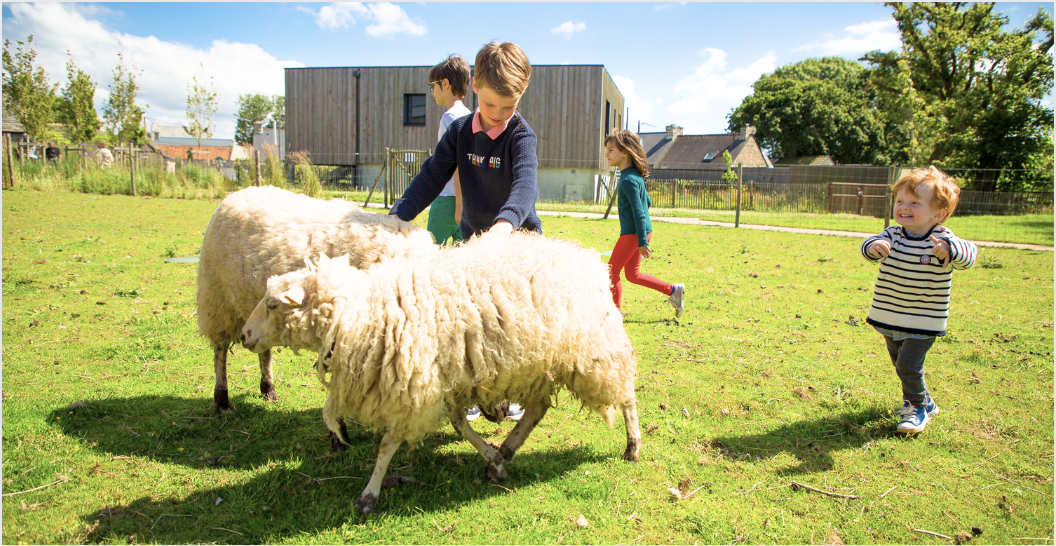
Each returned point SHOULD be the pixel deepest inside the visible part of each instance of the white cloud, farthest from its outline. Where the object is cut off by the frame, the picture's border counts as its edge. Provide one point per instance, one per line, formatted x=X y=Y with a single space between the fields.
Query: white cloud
x=568 y=28
x=708 y=94
x=638 y=108
x=163 y=69
x=388 y=19
x=861 y=38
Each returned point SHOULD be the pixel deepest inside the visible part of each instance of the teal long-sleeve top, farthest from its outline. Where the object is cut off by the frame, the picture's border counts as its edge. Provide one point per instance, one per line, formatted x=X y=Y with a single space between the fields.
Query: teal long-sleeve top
x=633 y=206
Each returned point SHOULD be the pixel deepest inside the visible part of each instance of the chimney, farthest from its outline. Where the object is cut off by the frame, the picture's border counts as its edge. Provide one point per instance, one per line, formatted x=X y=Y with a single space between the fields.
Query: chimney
x=257 y=127
x=673 y=131
x=746 y=131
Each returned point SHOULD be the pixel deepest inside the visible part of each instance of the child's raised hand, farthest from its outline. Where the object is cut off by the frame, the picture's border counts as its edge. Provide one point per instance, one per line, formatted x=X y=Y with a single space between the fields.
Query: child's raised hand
x=880 y=249
x=941 y=249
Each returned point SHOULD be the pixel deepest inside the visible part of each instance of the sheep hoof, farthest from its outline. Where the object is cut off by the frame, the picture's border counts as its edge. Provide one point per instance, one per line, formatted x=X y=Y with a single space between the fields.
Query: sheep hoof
x=365 y=504
x=496 y=473
x=268 y=390
x=336 y=444
x=631 y=454
x=221 y=401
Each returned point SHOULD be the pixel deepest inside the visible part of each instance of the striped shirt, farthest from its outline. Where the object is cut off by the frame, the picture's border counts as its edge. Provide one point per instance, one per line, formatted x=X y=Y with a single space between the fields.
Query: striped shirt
x=912 y=292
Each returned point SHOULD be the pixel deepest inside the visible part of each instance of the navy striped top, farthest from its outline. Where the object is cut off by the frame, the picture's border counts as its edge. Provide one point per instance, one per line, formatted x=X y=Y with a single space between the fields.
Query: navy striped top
x=912 y=292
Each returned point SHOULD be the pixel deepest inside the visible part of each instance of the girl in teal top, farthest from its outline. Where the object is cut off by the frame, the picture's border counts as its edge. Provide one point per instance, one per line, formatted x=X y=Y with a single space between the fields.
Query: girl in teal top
x=624 y=151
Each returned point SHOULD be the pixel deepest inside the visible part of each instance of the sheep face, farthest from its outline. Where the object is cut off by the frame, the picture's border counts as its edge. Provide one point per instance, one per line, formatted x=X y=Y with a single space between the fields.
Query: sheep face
x=284 y=302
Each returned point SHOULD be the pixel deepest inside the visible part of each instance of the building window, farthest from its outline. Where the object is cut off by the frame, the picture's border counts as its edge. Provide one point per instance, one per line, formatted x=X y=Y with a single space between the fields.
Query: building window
x=414 y=110
x=607 y=109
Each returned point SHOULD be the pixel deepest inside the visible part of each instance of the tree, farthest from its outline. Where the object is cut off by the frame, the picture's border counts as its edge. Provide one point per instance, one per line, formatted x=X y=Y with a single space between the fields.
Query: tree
x=28 y=95
x=76 y=107
x=253 y=108
x=278 y=113
x=815 y=107
x=122 y=116
x=258 y=108
x=965 y=92
x=201 y=106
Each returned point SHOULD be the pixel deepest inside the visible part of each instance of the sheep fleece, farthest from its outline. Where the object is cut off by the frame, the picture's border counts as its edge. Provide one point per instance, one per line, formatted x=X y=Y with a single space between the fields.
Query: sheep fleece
x=258 y=232
x=515 y=317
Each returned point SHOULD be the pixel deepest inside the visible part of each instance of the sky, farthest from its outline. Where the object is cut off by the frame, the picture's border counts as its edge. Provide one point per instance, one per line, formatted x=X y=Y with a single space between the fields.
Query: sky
x=684 y=63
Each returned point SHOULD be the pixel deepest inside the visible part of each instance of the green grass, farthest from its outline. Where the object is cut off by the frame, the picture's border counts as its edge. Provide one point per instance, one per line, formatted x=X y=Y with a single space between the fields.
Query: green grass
x=107 y=395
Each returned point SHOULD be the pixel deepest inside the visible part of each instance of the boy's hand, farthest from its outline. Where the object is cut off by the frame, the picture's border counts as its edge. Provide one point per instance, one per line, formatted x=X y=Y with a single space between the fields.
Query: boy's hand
x=880 y=249
x=941 y=250
x=644 y=250
x=501 y=227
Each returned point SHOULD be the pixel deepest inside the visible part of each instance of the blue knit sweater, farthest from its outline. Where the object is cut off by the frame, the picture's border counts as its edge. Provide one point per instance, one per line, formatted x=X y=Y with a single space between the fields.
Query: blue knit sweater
x=497 y=177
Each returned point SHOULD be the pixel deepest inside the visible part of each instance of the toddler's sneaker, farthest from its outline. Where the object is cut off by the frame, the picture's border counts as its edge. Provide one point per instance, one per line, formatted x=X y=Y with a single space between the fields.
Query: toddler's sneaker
x=931 y=407
x=914 y=418
x=516 y=412
x=473 y=414
x=677 y=299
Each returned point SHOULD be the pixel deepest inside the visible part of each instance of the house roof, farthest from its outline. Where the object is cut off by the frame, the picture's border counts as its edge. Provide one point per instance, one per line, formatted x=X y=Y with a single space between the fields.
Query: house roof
x=700 y=152
x=11 y=124
x=188 y=141
x=168 y=131
x=655 y=145
x=805 y=160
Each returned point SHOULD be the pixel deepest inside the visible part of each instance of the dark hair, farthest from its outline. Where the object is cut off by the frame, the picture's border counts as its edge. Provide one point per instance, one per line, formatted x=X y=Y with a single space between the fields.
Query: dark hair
x=456 y=70
x=504 y=68
x=628 y=142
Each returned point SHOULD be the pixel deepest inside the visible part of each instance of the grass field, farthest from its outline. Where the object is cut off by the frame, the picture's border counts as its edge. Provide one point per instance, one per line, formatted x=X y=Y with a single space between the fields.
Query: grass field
x=771 y=377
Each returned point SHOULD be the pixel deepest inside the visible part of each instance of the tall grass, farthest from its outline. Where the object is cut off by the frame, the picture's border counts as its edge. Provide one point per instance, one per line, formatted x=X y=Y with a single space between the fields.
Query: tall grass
x=306 y=174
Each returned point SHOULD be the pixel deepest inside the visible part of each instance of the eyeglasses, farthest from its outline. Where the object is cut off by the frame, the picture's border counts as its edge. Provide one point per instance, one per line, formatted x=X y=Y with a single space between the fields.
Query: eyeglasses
x=431 y=84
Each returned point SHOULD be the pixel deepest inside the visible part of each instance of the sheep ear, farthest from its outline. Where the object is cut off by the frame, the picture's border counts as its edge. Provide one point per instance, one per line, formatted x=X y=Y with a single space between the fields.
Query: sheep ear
x=293 y=296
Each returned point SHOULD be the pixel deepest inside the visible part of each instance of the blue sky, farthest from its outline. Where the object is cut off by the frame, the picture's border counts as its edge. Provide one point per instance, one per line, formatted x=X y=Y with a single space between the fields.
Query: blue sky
x=684 y=63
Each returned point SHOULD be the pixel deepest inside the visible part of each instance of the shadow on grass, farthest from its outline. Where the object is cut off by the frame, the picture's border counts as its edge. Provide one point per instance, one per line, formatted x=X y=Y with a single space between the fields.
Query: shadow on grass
x=811 y=441
x=298 y=485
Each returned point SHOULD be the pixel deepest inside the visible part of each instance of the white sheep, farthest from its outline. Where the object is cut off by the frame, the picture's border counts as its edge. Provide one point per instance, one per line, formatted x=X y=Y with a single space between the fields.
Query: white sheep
x=260 y=232
x=414 y=341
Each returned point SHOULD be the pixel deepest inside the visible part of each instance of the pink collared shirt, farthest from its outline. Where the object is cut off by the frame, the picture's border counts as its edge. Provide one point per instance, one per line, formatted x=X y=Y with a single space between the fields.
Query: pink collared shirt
x=495 y=131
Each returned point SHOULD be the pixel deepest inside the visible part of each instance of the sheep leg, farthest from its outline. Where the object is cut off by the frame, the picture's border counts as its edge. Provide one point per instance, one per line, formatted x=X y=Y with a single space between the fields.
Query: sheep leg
x=495 y=467
x=220 y=398
x=634 y=435
x=369 y=498
x=533 y=413
x=267 y=384
x=340 y=442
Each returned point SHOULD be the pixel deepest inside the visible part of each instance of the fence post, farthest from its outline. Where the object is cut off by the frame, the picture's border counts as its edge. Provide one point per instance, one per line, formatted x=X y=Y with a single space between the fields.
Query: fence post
x=132 y=168
x=256 y=167
x=612 y=194
x=10 y=161
x=737 y=216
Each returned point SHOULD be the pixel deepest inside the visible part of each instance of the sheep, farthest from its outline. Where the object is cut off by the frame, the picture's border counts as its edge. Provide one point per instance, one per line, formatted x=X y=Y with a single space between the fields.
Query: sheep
x=259 y=232
x=413 y=341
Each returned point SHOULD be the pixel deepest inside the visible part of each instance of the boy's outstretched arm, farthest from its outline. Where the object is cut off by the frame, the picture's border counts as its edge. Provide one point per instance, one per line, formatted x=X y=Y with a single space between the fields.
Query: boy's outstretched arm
x=877 y=247
x=962 y=253
x=524 y=192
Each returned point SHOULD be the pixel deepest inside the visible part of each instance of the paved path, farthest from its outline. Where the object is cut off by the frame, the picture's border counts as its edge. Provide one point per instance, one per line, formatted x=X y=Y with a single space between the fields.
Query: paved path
x=698 y=222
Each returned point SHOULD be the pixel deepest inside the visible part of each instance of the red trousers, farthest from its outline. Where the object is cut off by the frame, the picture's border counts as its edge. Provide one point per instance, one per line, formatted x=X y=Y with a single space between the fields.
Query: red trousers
x=625 y=256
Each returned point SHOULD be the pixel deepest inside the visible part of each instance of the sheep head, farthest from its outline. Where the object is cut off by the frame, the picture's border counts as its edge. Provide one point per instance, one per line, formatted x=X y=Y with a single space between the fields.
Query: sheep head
x=296 y=308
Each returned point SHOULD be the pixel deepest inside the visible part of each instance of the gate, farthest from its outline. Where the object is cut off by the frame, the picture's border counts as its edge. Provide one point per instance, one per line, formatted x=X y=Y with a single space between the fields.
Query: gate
x=399 y=168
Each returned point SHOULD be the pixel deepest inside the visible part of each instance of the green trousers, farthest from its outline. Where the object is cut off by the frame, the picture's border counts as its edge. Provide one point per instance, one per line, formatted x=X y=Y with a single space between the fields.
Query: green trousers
x=442 y=223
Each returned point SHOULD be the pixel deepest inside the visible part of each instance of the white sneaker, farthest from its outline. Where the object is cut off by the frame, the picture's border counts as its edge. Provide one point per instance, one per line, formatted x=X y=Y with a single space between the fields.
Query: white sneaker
x=515 y=413
x=677 y=299
x=473 y=414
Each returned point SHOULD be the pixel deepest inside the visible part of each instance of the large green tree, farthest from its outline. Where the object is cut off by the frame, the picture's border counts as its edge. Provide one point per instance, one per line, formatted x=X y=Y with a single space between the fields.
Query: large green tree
x=258 y=108
x=252 y=108
x=965 y=91
x=201 y=106
x=815 y=107
x=75 y=109
x=123 y=117
x=28 y=95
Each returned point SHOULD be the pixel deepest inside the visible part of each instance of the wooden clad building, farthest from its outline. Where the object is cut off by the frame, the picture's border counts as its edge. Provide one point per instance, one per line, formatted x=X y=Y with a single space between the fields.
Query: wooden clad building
x=348 y=116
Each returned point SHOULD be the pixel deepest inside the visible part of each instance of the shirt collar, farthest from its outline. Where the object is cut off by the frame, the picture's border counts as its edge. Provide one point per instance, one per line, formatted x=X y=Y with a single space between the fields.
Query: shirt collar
x=495 y=131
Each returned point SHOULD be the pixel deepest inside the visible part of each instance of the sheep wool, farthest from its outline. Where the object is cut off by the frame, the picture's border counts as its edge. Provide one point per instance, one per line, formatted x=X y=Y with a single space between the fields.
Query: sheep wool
x=259 y=232
x=414 y=341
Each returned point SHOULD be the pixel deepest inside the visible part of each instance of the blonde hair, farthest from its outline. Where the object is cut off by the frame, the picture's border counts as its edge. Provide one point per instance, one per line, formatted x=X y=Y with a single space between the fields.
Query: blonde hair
x=627 y=142
x=945 y=193
x=504 y=68
x=456 y=70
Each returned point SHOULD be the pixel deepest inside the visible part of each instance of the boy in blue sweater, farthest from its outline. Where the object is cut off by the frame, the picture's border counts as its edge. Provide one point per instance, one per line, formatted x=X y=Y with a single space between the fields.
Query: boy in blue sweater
x=493 y=151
